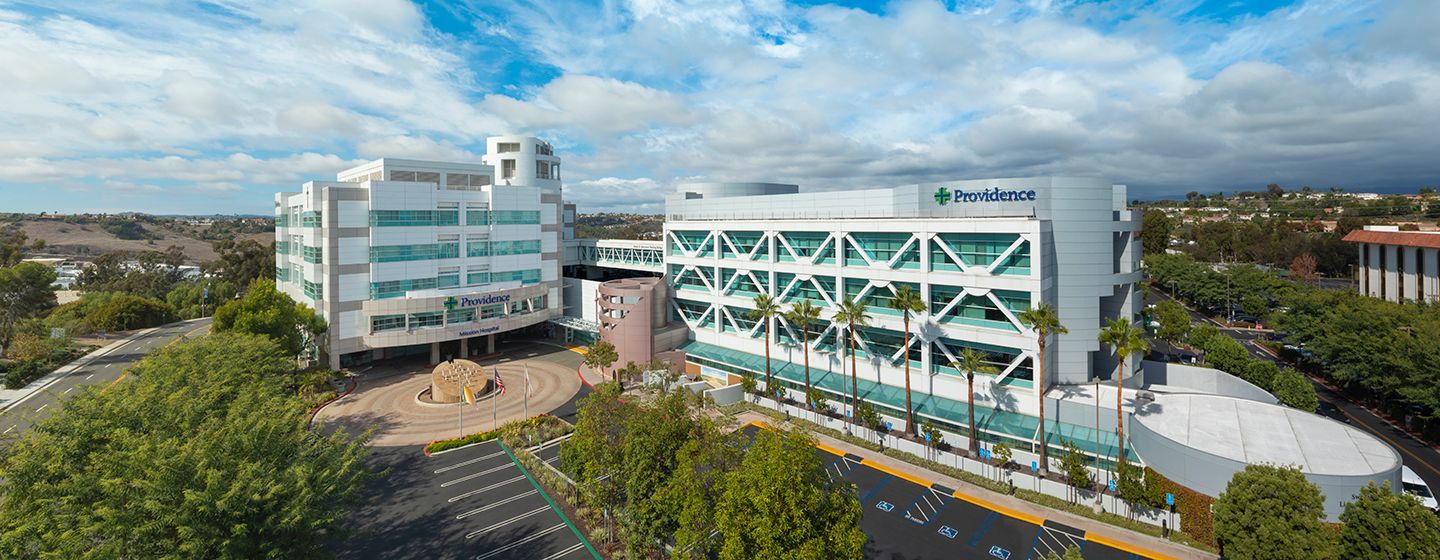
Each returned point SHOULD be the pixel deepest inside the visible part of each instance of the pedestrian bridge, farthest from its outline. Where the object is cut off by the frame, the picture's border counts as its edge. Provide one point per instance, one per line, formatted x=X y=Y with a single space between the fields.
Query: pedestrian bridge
x=628 y=254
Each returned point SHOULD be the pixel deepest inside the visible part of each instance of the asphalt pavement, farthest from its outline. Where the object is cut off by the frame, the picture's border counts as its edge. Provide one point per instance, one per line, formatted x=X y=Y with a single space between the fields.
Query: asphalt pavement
x=102 y=371
x=906 y=518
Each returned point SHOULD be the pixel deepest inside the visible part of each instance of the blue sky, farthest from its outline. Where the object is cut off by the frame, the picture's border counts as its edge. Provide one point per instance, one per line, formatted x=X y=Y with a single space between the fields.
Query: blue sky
x=212 y=107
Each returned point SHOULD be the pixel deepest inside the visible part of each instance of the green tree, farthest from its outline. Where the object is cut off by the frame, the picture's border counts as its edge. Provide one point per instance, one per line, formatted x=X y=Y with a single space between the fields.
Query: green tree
x=1295 y=391
x=803 y=315
x=1380 y=523
x=852 y=314
x=779 y=503
x=1174 y=321
x=25 y=293
x=866 y=416
x=766 y=309
x=1155 y=231
x=190 y=298
x=201 y=455
x=12 y=246
x=600 y=356
x=593 y=455
x=242 y=262
x=649 y=454
x=266 y=311
x=972 y=361
x=125 y=311
x=690 y=496
x=1043 y=321
x=1272 y=512
x=1072 y=463
x=1127 y=339
x=907 y=301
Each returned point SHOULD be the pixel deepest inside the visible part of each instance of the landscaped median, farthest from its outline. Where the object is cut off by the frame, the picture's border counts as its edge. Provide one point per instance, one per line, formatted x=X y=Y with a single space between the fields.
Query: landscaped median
x=519 y=434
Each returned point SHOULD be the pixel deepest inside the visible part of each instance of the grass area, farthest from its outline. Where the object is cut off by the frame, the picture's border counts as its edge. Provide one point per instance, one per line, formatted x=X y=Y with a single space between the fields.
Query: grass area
x=975 y=479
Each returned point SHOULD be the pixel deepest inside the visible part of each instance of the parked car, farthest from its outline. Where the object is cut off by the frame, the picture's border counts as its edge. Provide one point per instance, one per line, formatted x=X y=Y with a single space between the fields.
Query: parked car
x=1413 y=484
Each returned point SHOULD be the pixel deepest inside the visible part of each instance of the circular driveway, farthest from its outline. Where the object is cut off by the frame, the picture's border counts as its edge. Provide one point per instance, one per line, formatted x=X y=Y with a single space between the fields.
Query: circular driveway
x=384 y=397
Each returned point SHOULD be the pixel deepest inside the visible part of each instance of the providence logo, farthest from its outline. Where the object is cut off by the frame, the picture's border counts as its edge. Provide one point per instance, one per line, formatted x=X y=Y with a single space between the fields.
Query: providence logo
x=994 y=194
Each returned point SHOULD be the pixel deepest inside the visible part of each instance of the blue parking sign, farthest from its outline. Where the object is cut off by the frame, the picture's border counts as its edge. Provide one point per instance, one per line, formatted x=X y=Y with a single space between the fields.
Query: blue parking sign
x=1169 y=499
x=1112 y=485
x=1034 y=466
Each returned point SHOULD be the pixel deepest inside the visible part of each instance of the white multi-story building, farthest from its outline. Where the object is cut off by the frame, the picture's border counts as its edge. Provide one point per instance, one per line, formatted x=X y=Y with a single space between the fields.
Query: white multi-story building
x=404 y=257
x=977 y=252
x=1398 y=265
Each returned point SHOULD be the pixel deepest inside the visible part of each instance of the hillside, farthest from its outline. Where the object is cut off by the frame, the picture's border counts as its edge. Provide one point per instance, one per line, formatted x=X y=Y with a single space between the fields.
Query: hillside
x=619 y=226
x=88 y=238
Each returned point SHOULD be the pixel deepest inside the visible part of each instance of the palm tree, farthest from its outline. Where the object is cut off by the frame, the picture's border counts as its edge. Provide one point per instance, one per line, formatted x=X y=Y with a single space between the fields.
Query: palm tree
x=803 y=315
x=972 y=361
x=852 y=314
x=766 y=308
x=1126 y=339
x=907 y=301
x=1045 y=322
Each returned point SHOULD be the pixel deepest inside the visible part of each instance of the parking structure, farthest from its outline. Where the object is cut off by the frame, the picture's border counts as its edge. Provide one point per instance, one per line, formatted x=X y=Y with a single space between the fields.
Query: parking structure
x=497 y=510
x=905 y=518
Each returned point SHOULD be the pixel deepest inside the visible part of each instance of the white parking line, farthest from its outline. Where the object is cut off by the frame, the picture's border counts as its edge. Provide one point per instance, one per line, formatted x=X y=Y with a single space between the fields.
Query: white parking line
x=67 y=391
x=485 y=489
x=42 y=407
x=564 y=552
x=481 y=473
x=11 y=428
x=474 y=534
x=87 y=378
x=472 y=461
x=495 y=505
x=520 y=542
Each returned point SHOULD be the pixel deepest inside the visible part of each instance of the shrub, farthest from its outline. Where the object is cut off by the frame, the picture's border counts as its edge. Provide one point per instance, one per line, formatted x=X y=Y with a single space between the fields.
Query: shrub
x=21 y=373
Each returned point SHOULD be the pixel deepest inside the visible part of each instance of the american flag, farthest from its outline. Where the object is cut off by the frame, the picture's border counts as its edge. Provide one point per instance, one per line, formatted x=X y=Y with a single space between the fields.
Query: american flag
x=499 y=383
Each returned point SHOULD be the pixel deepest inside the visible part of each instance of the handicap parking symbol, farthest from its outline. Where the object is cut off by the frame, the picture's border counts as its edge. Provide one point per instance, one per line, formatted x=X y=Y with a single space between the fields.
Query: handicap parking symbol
x=885 y=506
x=1000 y=553
x=948 y=532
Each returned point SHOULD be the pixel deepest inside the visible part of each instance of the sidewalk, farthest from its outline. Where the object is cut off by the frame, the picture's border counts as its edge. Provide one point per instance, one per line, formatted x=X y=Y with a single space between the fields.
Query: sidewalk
x=1109 y=532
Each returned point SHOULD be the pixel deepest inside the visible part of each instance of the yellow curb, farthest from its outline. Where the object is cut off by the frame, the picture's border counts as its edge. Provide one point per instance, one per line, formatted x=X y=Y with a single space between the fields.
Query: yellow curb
x=1033 y=519
x=1119 y=545
x=578 y=350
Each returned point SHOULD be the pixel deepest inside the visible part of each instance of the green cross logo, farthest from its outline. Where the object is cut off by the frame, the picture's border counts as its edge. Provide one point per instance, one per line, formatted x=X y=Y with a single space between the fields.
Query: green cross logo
x=450 y=303
x=942 y=195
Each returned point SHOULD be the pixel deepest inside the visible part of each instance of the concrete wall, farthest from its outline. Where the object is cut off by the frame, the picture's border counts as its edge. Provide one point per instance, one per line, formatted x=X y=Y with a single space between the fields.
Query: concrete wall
x=1180 y=378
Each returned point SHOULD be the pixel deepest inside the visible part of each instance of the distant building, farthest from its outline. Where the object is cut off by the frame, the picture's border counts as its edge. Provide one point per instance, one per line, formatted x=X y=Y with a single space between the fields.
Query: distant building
x=1398 y=265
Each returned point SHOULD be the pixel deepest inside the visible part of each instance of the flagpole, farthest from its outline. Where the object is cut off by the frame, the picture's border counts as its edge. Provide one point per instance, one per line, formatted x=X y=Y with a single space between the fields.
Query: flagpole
x=527 y=390
x=494 y=396
x=461 y=404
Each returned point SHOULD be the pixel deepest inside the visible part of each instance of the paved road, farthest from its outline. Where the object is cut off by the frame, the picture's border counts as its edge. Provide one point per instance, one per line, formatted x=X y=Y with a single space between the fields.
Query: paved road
x=102 y=371
x=1419 y=456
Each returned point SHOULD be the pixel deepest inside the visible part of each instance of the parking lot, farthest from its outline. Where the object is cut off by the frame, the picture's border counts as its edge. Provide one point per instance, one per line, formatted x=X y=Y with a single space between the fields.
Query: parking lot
x=474 y=502
x=910 y=519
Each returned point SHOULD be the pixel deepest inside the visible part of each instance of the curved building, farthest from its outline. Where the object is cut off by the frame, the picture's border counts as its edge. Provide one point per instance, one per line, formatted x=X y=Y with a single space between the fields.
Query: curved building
x=1200 y=441
x=630 y=310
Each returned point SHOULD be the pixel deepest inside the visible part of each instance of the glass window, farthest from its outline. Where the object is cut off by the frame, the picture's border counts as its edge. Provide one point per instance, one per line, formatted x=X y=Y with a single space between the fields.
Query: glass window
x=474 y=278
x=477 y=217
x=313 y=254
x=525 y=277
x=492 y=311
x=313 y=290
x=447 y=280
x=382 y=323
x=397 y=288
x=428 y=251
x=428 y=319
x=515 y=217
x=311 y=218
x=464 y=315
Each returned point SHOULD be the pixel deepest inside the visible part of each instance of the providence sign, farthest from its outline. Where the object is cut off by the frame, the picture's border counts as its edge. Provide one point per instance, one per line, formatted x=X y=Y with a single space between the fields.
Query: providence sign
x=466 y=301
x=944 y=196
